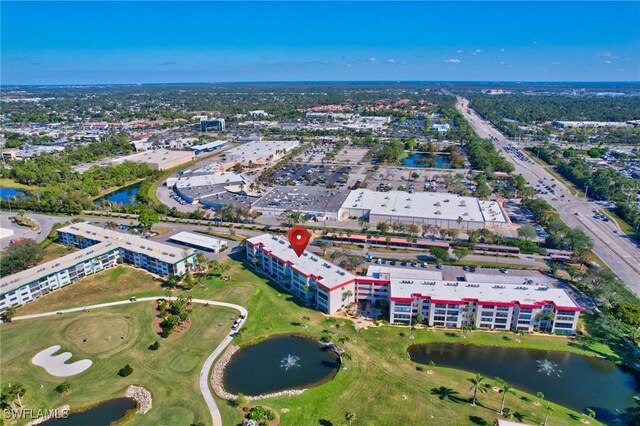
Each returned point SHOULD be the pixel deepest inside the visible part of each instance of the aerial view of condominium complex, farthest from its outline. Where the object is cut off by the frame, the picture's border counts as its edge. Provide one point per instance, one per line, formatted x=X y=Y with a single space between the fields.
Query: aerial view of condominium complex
x=371 y=213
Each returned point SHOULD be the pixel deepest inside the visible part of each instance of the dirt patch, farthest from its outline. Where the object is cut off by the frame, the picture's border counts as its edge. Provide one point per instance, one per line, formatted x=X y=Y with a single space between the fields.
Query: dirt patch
x=157 y=320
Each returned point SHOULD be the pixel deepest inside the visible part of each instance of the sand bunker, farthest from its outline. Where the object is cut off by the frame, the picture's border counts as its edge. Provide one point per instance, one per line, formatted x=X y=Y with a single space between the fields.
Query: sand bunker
x=55 y=364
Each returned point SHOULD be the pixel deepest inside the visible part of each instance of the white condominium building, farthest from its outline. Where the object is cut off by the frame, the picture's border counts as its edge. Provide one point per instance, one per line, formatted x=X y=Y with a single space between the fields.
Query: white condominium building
x=161 y=259
x=100 y=249
x=25 y=286
x=309 y=276
x=486 y=301
x=483 y=305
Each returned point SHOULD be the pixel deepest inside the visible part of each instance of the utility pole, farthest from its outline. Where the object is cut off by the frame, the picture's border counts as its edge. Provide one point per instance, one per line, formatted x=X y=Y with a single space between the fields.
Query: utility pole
x=586 y=191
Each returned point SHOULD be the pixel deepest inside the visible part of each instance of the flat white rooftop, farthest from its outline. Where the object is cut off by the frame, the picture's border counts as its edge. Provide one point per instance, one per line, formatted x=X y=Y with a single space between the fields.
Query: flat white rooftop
x=160 y=251
x=210 y=145
x=483 y=292
x=5 y=232
x=385 y=272
x=259 y=150
x=22 y=278
x=431 y=205
x=156 y=156
x=309 y=263
x=198 y=240
x=226 y=178
x=511 y=278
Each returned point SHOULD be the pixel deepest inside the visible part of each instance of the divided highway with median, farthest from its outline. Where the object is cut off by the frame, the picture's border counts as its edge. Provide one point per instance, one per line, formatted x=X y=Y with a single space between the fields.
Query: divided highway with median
x=617 y=250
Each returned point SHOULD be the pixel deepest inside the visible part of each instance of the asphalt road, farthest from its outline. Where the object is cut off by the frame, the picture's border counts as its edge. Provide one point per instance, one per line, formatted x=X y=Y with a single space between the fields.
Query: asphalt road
x=618 y=251
x=44 y=221
x=206 y=368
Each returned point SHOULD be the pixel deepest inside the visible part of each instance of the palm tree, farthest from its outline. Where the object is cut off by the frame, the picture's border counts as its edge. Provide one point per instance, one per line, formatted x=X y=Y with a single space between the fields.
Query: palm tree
x=324 y=245
x=540 y=395
x=477 y=384
x=505 y=388
x=590 y=413
x=549 y=409
x=347 y=295
x=350 y=416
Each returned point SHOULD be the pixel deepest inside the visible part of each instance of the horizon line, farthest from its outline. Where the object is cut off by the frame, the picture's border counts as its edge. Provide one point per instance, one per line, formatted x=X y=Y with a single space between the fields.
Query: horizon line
x=612 y=82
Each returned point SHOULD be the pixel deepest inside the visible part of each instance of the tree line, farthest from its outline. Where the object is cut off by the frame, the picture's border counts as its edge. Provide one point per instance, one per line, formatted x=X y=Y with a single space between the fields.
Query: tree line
x=527 y=109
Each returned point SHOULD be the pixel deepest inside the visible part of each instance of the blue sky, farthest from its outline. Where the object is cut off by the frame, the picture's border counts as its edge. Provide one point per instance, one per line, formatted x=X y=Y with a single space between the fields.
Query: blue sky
x=154 y=42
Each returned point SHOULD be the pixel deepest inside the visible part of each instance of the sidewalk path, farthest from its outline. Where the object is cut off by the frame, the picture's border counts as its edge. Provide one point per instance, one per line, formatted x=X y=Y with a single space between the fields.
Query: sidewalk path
x=206 y=368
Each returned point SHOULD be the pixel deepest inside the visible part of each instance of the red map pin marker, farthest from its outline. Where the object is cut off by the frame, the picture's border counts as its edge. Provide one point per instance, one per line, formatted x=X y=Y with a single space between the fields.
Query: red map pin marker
x=299 y=238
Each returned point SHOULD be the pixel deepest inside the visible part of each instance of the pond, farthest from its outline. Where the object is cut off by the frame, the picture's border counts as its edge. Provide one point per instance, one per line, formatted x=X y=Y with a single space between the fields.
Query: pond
x=12 y=193
x=126 y=195
x=100 y=415
x=574 y=381
x=279 y=363
x=421 y=160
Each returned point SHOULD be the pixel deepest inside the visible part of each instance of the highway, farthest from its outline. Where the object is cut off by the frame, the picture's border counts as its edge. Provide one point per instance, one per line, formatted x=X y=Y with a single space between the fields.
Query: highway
x=618 y=251
x=206 y=368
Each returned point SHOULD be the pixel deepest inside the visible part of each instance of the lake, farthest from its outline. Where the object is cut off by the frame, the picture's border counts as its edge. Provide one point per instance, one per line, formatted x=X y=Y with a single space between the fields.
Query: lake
x=126 y=195
x=12 y=193
x=279 y=363
x=414 y=160
x=100 y=415
x=572 y=380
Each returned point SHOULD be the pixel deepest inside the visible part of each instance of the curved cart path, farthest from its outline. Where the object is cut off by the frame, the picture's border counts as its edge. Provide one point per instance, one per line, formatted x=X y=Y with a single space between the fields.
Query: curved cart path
x=206 y=368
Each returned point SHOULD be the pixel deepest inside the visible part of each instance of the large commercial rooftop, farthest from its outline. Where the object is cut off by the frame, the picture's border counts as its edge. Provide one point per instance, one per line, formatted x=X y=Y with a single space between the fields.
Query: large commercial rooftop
x=208 y=146
x=160 y=251
x=309 y=263
x=259 y=151
x=312 y=199
x=22 y=278
x=433 y=205
x=159 y=159
x=212 y=179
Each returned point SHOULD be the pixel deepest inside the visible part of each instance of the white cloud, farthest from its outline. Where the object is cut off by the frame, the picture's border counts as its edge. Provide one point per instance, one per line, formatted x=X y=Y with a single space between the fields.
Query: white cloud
x=503 y=50
x=476 y=52
x=459 y=51
x=348 y=65
x=555 y=63
x=372 y=59
x=453 y=61
x=503 y=63
x=607 y=56
x=536 y=43
x=391 y=60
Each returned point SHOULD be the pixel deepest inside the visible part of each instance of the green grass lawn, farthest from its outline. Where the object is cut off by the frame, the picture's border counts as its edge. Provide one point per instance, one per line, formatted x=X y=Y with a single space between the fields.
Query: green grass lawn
x=171 y=374
x=373 y=384
x=10 y=183
x=55 y=250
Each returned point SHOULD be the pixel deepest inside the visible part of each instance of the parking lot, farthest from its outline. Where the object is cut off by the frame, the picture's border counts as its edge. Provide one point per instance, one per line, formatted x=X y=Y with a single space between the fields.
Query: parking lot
x=316 y=153
x=418 y=180
x=313 y=175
